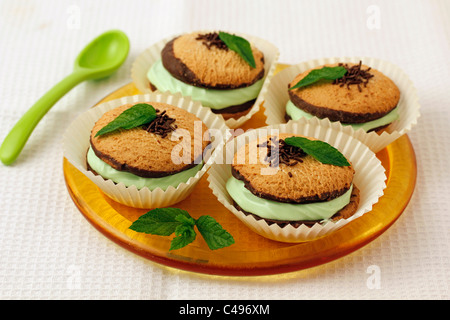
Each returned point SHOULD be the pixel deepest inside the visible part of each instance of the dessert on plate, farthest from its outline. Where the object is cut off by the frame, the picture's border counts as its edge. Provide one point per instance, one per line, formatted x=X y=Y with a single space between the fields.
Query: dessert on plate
x=145 y=151
x=134 y=144
x=351 y=93
x=287 y=184
x=223 y=71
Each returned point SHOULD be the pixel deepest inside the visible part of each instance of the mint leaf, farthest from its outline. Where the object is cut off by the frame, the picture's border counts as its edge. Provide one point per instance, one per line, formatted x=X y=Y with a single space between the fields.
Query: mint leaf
x=320 y=150
x=240 y=46
x=185 y=234
x=213 y=233
x=133 y=117
x=325 y=73
x=160 y=221
x=166 y=221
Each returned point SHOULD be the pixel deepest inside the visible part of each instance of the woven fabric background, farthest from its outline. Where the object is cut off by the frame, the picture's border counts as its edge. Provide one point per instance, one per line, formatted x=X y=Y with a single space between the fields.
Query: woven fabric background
x=49 y=251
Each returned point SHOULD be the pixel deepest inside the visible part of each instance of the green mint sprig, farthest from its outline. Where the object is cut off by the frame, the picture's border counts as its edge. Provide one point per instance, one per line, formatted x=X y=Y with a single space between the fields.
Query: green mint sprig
x=167 y=221
x=133 y=117
x=239 y=45
x=325 y=73
x=319 y=150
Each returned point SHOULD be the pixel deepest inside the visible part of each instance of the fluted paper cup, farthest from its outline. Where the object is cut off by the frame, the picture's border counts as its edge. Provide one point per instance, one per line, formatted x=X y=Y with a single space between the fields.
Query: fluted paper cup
x=152 y=54
x=76 y=144
x=408 y=107
x=369 y=177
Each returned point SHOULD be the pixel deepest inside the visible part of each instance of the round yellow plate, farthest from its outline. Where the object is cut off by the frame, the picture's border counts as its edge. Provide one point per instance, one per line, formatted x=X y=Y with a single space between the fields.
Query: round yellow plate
x=251 y=254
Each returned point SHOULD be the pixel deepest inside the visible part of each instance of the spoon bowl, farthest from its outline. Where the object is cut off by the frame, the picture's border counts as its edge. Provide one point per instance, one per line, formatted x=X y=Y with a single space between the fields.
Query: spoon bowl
x=99 y=59
x=104 y=55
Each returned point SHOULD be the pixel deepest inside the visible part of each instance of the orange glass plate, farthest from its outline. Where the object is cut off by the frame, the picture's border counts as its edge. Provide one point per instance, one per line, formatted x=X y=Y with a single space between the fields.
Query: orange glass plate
x=251 y=254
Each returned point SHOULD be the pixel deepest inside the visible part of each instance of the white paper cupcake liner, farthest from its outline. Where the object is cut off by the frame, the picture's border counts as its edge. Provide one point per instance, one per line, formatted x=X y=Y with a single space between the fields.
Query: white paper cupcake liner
x=152 y=54
x=76 y=144
x=408 y=106
x=369 y=177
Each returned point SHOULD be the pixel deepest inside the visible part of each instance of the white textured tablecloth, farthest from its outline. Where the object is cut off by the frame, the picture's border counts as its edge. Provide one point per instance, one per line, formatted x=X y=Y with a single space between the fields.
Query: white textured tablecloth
x=48 y=250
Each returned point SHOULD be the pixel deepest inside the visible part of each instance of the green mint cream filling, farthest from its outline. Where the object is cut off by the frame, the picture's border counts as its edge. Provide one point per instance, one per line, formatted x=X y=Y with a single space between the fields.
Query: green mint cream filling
x=269 y=209
x=212 y=98
x=296 y=113
x=129 y=179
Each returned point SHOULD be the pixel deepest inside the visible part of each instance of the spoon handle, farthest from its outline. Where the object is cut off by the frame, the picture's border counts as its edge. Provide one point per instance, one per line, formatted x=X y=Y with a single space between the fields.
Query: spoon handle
x=19 y=134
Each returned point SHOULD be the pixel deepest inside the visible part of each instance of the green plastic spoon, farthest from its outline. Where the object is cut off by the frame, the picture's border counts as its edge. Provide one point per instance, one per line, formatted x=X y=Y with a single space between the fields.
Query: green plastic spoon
x=99 y=59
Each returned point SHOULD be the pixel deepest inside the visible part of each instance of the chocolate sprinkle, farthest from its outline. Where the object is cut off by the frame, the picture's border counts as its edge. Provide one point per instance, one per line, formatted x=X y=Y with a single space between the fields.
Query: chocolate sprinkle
x=280 y=152
x=162 y=125
x=354 y=76
x=212 y=39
